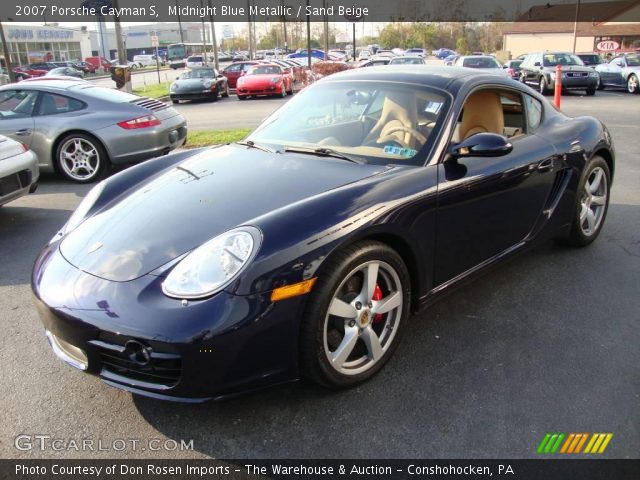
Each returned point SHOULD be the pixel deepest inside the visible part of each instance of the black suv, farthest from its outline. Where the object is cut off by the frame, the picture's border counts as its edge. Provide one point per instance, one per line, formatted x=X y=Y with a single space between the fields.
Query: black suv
x=539 y=70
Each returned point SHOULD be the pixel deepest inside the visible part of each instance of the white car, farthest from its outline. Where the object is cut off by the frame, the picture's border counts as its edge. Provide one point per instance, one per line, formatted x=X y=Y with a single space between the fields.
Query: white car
x=18 y=170
x=195 y=61
x=364 y=55
x=486 y=63
x=145 y=60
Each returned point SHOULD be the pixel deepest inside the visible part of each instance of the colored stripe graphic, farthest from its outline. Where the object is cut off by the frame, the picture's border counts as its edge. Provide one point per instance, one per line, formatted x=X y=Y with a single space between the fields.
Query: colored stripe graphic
x=556 y=443
x=598 y=443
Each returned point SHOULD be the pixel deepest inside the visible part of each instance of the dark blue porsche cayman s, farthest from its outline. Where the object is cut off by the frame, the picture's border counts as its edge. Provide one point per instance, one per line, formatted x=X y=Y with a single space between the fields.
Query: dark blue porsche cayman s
x=302 y=251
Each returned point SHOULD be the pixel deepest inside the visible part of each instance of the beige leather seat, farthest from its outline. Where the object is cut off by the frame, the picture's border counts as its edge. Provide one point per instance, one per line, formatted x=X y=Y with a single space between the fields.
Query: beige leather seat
x=482 y=113
x=398 y=111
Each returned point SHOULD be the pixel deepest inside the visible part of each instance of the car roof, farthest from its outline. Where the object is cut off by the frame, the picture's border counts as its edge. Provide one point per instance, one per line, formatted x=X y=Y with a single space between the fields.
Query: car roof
x=55 y=83
x=446 y=78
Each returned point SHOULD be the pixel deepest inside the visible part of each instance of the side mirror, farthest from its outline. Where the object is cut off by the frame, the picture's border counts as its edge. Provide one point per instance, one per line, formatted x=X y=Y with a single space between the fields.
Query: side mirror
x=537 y=64
x=482 y=145
x=177 y=78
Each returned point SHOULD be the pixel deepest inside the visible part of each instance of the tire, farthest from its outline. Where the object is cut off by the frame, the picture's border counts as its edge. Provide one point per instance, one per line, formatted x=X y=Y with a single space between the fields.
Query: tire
x=543 y=88
x=367 y=339
x=586 y=227
x=81 y=158
x=225 y=94
x=591 y=92
x=632 y=84
x=241 y=97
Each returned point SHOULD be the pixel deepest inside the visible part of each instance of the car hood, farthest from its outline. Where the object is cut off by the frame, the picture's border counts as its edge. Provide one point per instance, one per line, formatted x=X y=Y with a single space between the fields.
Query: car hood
x=197 y=199
x=254 y=79
x=191 y=83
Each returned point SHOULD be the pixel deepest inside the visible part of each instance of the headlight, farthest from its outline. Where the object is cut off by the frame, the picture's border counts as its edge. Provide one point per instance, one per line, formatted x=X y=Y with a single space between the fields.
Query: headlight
x=593 y=74
x=206 y=83
x=213 y=265
x=85 y=205
x=173 y=87
x=275 y=79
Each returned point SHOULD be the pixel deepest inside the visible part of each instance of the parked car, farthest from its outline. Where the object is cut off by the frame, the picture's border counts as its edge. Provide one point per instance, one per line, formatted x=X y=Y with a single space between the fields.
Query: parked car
x=363 y=55
x=485 y=63
x=18 y=170
x=19 y=75
x=302 y=53
x=234 y=71
x=199 y=83
x=407 y=60
x=443 y=53
x=622 y=71
x=417 y=52
x=264 y=79
x=450 y=60
x=79 y=129
x=84 y=66
x=590 y=59
x=376 y=62
x=301 y=251
x=195 y=61
x=539 y=70
x=130 y=64
x=46 y=66
x=98 y=62
x=512 y=68
x=65 y=72
x=26 y=69
x=145 y=60
x=385 y=54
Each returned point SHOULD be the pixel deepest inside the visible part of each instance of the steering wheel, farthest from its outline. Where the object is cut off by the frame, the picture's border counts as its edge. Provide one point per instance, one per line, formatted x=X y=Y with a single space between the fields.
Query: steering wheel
x=401 y=128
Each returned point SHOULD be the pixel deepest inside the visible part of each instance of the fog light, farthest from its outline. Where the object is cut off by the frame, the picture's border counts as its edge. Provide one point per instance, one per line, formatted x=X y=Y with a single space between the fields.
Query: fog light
x=68 y=353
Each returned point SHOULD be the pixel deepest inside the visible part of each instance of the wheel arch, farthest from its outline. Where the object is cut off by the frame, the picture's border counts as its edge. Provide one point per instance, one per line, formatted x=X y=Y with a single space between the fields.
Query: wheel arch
x=56 y=143
x=608 y=157
x=403 y=248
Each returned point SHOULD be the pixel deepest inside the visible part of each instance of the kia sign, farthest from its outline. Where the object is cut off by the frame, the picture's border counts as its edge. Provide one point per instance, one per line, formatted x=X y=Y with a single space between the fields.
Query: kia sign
x=607 y=46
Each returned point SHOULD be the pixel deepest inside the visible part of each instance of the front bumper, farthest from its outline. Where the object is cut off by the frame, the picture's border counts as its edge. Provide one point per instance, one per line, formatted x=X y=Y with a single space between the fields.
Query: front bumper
x=133 y=146
x=18 y=176
x=576 y=83
x=261 y=90
x=194 y=95
x=137 y=339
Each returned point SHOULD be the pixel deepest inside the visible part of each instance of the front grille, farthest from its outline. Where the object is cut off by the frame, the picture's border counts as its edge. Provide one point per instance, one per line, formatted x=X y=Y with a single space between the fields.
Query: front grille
x=162 y=369
x=151 y=104
x=16 y=181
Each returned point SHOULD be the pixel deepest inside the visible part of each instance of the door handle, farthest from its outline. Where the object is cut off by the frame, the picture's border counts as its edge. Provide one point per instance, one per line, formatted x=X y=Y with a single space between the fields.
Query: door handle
x=545 y=165
x=23 y=132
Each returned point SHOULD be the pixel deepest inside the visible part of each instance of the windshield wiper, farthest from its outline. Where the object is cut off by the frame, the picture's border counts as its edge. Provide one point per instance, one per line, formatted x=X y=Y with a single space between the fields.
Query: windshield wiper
x=321 y=151
x=252 y=144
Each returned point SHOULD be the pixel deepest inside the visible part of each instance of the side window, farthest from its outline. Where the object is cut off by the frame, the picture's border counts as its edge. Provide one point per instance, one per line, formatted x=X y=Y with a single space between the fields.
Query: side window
x=52 y=104
x=233 y=68
x=534 y=112
x=17 y=103
x=514 y=121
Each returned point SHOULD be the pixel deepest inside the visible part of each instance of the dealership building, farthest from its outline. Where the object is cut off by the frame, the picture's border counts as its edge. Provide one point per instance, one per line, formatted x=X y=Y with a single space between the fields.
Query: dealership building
x=30 y=44
x=137 y=38
x=536 y=29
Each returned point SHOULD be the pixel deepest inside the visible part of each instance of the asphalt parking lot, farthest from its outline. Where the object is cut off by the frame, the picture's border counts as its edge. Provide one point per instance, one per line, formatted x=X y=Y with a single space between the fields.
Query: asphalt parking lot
x=546 y=343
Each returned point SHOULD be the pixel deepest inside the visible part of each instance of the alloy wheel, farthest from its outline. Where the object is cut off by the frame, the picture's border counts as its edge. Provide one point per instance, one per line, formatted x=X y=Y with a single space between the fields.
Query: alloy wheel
x=593 y=202
x=79 y=159
x=632 y=84
x=363 y=318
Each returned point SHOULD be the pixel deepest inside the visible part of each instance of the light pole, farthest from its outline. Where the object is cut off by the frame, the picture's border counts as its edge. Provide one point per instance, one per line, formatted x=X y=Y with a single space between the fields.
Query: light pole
x=214 y=42
x=308 y=38
x=7 y=56
x=179 y=23
x=575 y=25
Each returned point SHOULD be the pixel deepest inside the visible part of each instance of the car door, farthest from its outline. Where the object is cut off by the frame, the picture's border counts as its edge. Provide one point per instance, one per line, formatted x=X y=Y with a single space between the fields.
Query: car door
x=615 y=71
x=16 y=114
x=488 y=205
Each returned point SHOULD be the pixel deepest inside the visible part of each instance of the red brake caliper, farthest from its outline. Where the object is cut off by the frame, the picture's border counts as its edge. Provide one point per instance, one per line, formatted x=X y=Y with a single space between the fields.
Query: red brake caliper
x=377 y=295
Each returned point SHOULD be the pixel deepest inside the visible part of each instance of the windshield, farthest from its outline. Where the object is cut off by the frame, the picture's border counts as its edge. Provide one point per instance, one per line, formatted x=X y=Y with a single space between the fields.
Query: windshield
x=199 y=73
x=633 y=60
x=553 y=59
x=194 y=59
x=591 y=59
x=265 y=70
x=371 y=122
x=480 y=62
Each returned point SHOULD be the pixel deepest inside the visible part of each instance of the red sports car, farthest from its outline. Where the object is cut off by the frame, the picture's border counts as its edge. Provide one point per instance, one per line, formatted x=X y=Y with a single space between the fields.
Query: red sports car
x=265 y=79
x=236 y=70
